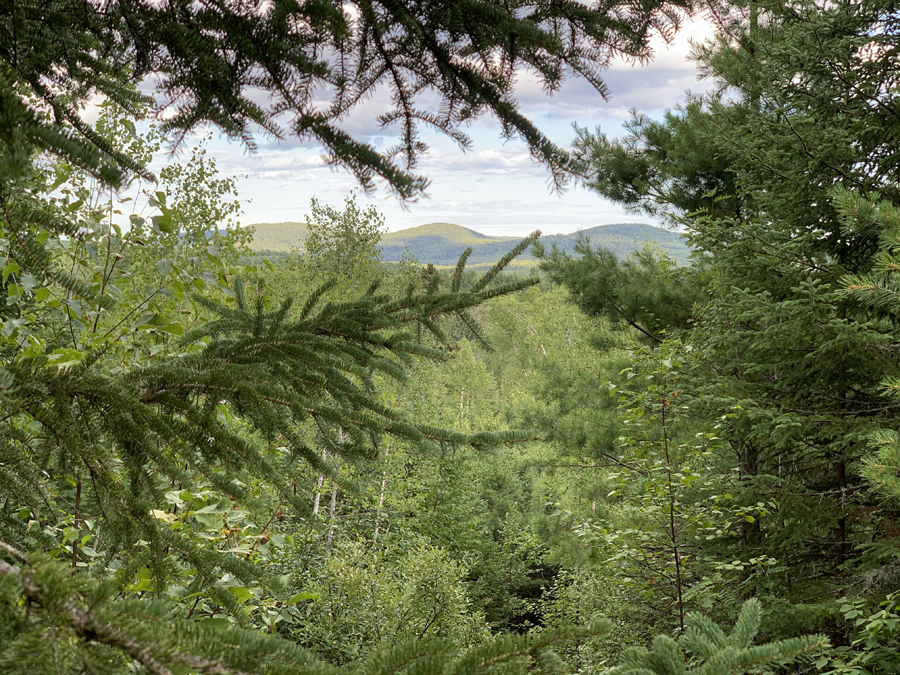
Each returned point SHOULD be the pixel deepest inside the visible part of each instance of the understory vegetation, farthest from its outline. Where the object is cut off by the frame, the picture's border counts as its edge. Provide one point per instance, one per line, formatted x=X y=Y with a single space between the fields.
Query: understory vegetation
x=213 y=462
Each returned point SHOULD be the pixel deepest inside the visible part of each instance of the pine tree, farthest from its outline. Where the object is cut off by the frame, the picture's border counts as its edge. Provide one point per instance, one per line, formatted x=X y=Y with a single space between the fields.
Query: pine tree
x=879 y=293
x=646 y=292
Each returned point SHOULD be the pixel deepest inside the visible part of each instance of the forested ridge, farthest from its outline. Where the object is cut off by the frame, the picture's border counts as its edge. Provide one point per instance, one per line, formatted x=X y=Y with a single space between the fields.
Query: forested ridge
x=442 y=243
x=212 y=463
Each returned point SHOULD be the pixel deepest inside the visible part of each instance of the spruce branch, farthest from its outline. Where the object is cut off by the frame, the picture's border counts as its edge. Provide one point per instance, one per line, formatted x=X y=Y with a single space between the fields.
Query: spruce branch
x=717 y=653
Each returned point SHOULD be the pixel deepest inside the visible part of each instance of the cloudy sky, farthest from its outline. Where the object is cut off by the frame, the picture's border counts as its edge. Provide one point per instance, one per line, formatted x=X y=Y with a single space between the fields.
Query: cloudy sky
x=494 y=188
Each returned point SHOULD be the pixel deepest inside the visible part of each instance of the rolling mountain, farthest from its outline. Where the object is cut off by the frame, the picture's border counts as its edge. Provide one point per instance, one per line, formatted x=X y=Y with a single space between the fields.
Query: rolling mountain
x=442 y=243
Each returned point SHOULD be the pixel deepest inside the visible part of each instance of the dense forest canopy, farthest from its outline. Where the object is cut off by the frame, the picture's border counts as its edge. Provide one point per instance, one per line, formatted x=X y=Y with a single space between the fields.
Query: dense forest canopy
x=211 y=463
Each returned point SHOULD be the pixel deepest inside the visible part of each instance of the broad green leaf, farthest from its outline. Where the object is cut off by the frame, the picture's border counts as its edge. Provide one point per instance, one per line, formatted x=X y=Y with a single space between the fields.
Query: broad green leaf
x=28 y=282
x=65 y=358
x=164 y=223
x=222 y=506
x=210 y=521
x=217 y=623
x=11 y=268
x=164 y=266
x=240 y=593
x=174 y=328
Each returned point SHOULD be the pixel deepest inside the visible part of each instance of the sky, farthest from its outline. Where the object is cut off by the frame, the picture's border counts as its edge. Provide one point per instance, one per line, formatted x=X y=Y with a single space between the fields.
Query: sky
x=494 y=188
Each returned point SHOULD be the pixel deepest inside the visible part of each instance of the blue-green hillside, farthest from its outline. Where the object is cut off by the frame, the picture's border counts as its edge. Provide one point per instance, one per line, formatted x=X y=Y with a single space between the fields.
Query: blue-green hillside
x=442 y=243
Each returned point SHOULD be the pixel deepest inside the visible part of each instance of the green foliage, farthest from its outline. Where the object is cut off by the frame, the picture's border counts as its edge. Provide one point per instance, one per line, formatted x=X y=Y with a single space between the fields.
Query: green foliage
x=875 y=639
x=507 y=654
x=877 y=293
x=583 y=595
x=174 y=420
x=663 y=168
x=645 y=291
x=787 y=361
x=664 y=501
x=704 y=648
x=343 y=244
x=512 y=573
x=150 y=415
x=361 y=599
x=71 y=623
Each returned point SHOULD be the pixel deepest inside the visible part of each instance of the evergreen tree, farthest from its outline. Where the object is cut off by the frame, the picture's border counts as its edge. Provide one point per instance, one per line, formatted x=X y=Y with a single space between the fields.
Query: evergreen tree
x=877 y=292
x=134 y=434
x=645 y=292
x=801 y=104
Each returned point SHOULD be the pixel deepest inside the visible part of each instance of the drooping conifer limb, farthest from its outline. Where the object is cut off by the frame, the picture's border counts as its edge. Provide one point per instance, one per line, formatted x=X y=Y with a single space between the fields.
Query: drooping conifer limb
x=207 y=58
x=149 y=634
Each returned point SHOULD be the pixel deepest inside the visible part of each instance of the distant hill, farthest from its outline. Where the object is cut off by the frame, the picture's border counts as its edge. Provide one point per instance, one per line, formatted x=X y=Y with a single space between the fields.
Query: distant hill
x=624 y=238
x=442 y=243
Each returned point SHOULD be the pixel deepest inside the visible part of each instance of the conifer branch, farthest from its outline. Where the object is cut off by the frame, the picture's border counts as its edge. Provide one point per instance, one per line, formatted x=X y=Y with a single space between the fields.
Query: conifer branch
x=90 y=628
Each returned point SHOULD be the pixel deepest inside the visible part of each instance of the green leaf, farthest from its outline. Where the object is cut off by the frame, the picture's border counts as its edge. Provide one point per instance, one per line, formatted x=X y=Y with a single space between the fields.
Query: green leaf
x=217 y=623
x=210 y=522
x=65 y=358
x=11 y=268
x=164 y=266
x=28 y=282
x=150 y=320
x=222 y=506
x=240 y=593
x=164 y=223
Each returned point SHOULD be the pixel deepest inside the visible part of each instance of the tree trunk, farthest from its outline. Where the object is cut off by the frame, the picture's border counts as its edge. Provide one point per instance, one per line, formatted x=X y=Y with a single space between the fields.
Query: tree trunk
x=320 y=479
x=331 y=509
x=329 y=538
x=380 y=506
